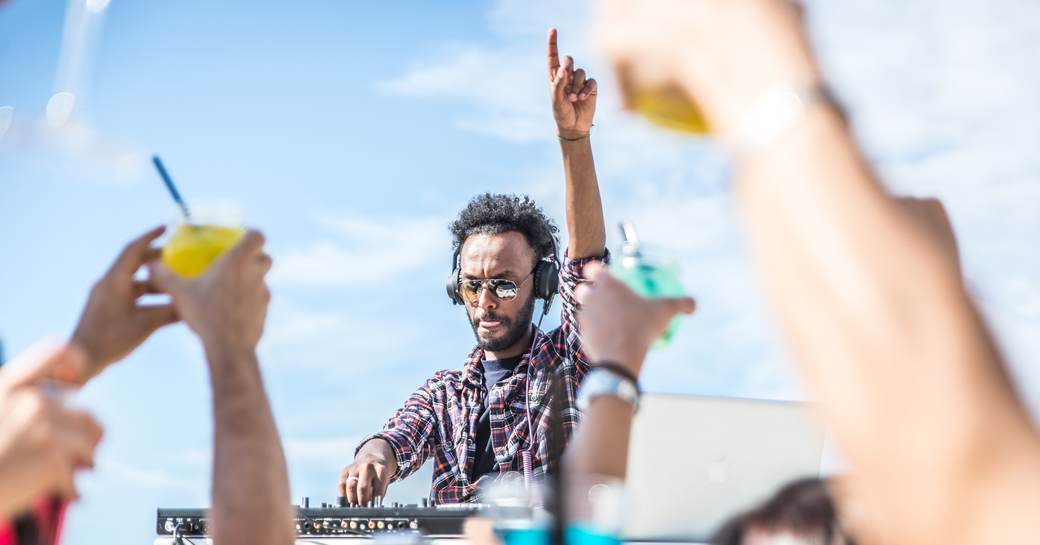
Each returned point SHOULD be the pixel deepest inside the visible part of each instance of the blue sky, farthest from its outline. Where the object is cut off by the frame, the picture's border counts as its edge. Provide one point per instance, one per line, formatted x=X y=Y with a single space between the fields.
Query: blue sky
x=351 y=133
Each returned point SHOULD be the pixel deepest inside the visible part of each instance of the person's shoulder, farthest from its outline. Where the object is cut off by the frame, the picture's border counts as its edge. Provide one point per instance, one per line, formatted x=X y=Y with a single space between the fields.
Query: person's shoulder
x=552 y=345
x=447 y=374
x=445 y=378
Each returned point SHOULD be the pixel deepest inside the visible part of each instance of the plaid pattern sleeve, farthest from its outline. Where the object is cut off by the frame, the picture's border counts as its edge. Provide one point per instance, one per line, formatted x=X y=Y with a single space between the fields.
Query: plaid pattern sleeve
x=571 y=275
x=414 y=429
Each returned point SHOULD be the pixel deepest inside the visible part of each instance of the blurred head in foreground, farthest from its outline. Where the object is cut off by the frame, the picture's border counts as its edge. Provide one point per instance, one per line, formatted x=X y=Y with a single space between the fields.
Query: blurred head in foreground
x=801 y=513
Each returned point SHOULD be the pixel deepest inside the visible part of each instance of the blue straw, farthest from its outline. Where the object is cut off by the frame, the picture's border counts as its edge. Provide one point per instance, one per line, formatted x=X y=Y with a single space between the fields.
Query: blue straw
x=169 y=185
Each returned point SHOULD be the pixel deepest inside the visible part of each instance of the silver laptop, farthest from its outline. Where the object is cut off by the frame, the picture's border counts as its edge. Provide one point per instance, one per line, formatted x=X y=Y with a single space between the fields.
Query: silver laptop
x=695 y=461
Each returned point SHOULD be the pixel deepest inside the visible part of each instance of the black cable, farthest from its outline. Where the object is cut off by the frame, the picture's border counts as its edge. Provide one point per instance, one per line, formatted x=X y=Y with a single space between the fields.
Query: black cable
x=555 y=446
x=178 y=539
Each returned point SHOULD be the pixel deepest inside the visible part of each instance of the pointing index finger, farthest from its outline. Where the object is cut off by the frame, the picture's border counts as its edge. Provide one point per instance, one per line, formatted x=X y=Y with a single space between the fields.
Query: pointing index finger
x=553 y=54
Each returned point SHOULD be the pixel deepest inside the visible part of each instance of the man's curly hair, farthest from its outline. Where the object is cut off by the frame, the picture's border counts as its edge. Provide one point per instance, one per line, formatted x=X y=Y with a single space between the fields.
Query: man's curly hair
x=491 y=214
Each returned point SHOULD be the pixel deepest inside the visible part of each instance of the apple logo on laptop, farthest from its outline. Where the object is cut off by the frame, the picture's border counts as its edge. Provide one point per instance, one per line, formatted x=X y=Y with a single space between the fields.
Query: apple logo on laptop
x=718 y=471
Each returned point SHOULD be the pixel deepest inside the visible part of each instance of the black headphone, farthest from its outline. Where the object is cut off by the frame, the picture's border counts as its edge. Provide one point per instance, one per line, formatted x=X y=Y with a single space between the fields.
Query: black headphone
x=546 y=278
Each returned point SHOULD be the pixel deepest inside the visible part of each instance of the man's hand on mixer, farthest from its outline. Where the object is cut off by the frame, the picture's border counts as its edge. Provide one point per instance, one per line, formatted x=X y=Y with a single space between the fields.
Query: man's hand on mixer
x=367 y=478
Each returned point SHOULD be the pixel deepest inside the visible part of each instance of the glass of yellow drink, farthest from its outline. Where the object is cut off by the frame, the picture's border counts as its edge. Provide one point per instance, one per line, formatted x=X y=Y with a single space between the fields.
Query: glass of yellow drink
x=665 y=105
x=199 y=240
x=671 y=109
x=649 y=272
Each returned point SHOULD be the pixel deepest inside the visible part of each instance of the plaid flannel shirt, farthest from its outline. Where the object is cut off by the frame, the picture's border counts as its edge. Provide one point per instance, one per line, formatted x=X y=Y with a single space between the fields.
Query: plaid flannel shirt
x=440 y=418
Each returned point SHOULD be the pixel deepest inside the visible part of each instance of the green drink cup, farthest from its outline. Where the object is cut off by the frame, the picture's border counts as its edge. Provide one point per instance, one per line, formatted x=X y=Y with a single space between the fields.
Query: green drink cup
x=649 y=273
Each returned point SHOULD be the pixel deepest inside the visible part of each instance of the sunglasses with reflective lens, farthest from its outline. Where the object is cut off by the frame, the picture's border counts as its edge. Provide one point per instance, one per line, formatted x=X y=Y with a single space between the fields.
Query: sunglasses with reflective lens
x=503 y=289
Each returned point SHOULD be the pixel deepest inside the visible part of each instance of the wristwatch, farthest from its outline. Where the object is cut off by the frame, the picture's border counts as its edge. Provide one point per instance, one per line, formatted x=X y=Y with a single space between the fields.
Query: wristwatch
x=605 y=382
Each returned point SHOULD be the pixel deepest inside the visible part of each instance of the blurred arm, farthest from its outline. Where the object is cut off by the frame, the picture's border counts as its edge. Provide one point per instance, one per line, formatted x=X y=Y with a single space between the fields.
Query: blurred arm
x=890 y=343
x=600 y=445
x=869 y=295
x=250 y=483
x=618 y=327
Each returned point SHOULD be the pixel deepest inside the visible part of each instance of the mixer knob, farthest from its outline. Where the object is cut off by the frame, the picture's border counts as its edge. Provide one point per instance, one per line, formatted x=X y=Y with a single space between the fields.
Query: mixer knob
x=425 y=502
x=306 y=502
x=341 y=501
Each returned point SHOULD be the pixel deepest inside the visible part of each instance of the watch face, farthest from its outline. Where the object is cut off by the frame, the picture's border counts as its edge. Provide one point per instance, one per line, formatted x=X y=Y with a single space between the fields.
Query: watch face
x=600 y=382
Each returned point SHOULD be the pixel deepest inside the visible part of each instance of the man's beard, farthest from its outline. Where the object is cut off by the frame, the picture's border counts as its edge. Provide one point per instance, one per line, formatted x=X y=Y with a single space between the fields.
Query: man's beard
x=514 y=329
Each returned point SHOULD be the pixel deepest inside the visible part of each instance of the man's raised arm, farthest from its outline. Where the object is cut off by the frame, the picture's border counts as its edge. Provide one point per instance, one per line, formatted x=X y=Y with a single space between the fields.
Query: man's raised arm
x=574 y=105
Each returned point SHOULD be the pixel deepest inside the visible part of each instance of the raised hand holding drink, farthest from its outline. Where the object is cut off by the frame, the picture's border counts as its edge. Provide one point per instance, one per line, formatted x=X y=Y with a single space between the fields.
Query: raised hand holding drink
x=202 y=236
x=192 y=248
x=649 y=274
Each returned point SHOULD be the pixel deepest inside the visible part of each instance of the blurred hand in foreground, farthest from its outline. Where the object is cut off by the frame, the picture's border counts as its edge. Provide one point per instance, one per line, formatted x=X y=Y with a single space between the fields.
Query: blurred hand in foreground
x=113 y=322
x=724 y=54
x=226 y=306
x=42 y=443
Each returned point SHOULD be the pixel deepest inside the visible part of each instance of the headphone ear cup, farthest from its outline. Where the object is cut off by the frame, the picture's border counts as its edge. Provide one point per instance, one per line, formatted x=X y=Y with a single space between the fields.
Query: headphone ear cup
x=546 y=280
x=453 y=287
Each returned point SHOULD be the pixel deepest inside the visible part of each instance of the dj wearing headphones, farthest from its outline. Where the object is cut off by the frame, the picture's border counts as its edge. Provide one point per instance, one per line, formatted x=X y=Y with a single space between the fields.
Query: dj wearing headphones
x=490 y=415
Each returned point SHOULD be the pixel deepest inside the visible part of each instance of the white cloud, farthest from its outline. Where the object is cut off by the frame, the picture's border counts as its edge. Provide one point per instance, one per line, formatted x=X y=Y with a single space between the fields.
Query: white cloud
x=360 y=251
x=506 y=86
x=148 y=477
x=323 y=453
x=107 y=159
x=496 y=82
x=320 y=453
x=194 y=455
x=332 y=340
